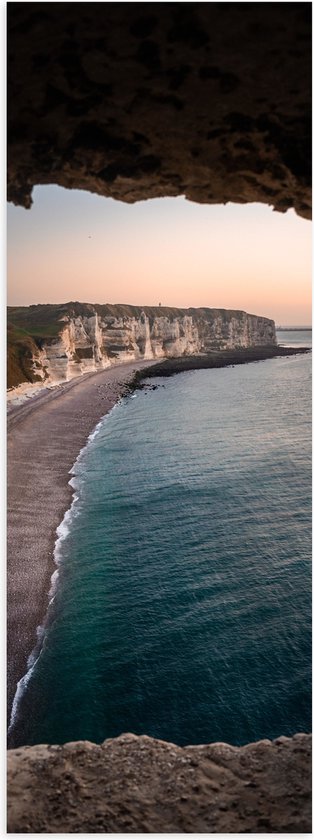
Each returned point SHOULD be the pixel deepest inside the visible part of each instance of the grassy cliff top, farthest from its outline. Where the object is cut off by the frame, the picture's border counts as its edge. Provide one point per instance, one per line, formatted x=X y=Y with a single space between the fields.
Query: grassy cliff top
x=44 y=321
x=41 y=321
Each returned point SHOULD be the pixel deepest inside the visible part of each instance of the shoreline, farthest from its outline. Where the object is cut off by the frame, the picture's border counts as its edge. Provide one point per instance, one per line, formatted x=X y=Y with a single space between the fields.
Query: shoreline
x=45 y=437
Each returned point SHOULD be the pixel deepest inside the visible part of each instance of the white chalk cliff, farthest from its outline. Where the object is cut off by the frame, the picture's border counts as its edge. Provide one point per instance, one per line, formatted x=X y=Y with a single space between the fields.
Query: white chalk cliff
x=92 y=337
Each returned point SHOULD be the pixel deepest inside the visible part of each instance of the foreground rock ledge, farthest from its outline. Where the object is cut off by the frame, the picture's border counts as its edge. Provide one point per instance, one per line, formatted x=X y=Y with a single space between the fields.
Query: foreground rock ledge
x=139 y=784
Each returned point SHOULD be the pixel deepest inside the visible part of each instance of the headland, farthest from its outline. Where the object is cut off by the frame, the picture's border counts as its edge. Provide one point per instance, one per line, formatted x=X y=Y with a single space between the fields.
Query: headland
x=51 y=343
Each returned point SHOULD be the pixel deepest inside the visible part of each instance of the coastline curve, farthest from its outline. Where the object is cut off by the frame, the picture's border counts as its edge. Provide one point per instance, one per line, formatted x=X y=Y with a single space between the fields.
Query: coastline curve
x=45 y=438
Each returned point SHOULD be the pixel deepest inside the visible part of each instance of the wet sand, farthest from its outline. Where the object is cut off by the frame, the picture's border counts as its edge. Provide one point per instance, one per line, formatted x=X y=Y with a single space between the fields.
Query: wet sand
x=45 y=436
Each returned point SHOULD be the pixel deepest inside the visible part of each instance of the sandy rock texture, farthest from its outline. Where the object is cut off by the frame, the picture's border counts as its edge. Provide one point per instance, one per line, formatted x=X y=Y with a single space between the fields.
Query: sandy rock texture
x=138 y=784
x=140 y=100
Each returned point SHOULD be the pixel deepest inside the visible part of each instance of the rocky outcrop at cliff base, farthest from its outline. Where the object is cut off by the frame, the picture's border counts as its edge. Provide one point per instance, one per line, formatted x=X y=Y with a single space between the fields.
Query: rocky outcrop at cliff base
x=138 y=784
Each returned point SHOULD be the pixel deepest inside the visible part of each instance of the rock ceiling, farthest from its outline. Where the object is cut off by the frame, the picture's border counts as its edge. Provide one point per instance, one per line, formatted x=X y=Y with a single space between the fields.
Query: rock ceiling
x=138 y=100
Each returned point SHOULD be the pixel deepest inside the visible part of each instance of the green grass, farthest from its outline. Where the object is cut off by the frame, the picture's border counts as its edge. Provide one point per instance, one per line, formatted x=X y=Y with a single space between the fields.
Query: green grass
x=41 y=321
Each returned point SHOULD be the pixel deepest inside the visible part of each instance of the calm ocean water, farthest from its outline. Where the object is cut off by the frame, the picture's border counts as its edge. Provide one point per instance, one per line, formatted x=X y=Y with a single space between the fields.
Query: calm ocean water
x=182 y=605
x=295 y=338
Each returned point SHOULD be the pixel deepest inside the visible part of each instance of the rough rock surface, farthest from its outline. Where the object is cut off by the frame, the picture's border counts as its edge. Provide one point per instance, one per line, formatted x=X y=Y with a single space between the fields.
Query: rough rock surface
x=91 y=337
x=138 y=100
x=138 y=784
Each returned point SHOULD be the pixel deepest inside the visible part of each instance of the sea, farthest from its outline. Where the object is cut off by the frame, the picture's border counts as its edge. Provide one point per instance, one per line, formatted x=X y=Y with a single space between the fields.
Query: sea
x=181 y=603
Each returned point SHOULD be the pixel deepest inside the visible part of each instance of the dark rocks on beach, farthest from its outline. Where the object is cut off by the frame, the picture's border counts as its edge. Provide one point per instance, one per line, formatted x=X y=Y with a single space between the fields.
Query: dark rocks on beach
x=219 y=359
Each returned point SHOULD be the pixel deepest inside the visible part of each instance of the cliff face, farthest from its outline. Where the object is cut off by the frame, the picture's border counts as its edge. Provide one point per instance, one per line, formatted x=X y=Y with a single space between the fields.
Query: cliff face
x=89 y=337
x=138 y=784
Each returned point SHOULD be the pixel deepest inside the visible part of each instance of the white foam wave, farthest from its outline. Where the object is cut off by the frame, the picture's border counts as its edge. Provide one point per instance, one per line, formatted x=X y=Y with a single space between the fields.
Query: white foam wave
x=63 y=530
x=53 y=585
x=92 y=437
x=24 y=681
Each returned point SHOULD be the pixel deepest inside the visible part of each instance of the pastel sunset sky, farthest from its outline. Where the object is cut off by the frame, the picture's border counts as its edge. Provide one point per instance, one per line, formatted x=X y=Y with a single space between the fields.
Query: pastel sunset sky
x=73 y=245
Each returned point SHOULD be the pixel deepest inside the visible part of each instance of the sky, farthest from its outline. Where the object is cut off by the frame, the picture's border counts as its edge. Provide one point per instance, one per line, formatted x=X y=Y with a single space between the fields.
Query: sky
x=73 y=245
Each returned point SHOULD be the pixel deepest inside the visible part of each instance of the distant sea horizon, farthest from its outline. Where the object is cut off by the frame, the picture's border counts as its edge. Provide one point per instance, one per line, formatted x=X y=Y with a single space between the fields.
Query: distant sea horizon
x=294 y=336
x=293 y=328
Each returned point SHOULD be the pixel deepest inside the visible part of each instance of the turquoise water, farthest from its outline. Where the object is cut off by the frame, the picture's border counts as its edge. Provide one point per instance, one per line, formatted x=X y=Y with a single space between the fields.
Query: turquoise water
x=182 y=605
